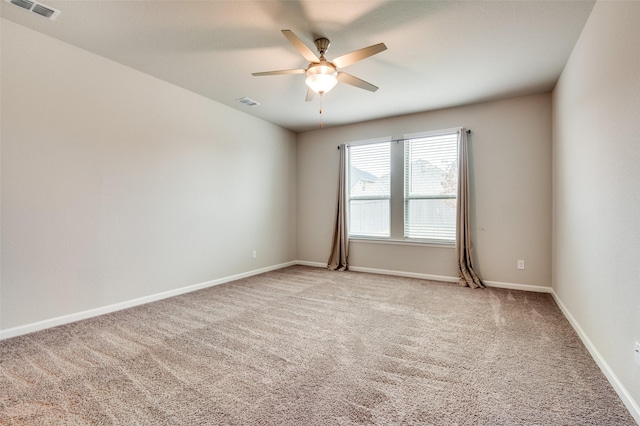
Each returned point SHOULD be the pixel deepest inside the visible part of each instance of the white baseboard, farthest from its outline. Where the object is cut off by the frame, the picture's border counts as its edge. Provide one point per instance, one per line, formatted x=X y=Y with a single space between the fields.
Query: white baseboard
x=622 y=392
x=383 y=272
x=522 y=287
x=497 y=284
x=90 y=313
x=404 y=274
x=314 y=264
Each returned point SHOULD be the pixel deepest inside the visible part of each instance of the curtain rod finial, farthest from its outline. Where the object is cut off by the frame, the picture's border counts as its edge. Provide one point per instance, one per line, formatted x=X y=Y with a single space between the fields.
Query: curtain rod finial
x=468 y=132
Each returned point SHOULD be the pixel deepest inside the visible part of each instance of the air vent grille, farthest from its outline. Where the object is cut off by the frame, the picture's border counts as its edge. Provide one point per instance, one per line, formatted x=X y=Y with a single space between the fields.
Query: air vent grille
x=23 y=4
x=36 y=7
x=44 y=11
x=248 y=102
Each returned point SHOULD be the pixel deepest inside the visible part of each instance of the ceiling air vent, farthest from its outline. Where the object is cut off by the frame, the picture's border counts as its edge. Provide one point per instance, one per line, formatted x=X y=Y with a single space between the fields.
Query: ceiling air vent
x=248 y=102
x=35 y=7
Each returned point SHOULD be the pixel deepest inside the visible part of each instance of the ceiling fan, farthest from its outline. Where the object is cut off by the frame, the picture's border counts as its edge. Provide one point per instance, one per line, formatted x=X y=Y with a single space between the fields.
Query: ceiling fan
x=323 y=75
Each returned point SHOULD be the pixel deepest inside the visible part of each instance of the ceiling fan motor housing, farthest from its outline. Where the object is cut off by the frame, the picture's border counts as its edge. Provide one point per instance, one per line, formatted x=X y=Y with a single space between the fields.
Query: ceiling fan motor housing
x=322 y=44
x=322 y=67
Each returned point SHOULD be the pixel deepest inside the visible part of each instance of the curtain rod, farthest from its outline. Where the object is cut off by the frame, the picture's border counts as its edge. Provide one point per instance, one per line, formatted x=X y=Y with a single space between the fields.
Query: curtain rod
x=401 y=140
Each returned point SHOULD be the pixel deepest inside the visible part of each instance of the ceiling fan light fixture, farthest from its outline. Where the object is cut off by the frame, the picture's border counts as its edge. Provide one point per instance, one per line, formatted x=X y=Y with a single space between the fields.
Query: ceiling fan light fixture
x=322 y=75
x=321 y=83
x=321 y=78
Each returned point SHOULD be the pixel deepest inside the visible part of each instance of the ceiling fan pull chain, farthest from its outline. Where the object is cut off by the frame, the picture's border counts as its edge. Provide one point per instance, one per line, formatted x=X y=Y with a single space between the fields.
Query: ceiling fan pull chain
x=321 y=110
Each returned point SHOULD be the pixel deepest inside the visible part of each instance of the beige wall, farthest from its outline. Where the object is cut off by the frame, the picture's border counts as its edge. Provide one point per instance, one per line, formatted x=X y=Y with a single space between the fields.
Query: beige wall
x=116 y=185
x=596 y=202
x=510 y=149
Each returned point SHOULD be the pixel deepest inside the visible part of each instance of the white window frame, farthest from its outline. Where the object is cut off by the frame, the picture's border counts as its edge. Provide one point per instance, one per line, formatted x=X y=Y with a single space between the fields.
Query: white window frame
x=397 y=201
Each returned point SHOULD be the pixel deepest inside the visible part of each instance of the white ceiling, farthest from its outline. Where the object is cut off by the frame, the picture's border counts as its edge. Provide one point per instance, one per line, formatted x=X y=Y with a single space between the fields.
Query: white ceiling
x=440 y=53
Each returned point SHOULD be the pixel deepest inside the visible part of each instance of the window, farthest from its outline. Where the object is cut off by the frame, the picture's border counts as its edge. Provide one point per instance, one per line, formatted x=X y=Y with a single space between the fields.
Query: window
x=369 y=190
x=428 y=167
x=430 y=187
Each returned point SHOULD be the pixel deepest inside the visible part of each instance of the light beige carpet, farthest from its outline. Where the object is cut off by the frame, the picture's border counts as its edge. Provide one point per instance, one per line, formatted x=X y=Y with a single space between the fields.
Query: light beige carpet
x=306 y=346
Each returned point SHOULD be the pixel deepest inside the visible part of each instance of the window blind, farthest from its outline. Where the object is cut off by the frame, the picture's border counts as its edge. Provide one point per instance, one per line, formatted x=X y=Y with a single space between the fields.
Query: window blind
x=369 y=185
x=431 y=184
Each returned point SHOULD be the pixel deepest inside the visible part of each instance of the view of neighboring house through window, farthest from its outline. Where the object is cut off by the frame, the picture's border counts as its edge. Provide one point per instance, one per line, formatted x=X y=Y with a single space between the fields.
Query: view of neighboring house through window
x=369 y=190
x=431 y=185
x=430 y=172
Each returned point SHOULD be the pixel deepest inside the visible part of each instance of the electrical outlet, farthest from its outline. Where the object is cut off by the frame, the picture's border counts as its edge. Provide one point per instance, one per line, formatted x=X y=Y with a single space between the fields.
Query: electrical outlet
x=637 y=353
x=520 y=264
x=255 y=254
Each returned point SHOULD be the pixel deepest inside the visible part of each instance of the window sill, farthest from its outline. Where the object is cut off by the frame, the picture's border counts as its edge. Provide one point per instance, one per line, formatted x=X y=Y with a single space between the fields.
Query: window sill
x=445 y=245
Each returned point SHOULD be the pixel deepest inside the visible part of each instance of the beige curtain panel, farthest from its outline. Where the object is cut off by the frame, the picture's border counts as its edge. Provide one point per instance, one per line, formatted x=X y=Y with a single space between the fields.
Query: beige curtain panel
x=464 y=247
x=340 y=247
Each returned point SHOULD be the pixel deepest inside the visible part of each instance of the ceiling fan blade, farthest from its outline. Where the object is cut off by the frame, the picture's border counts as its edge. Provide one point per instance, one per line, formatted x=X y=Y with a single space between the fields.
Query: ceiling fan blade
x=310 y=95
x=343 y=77
x=300 y=46
x=358 y=55
x=280 y=72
